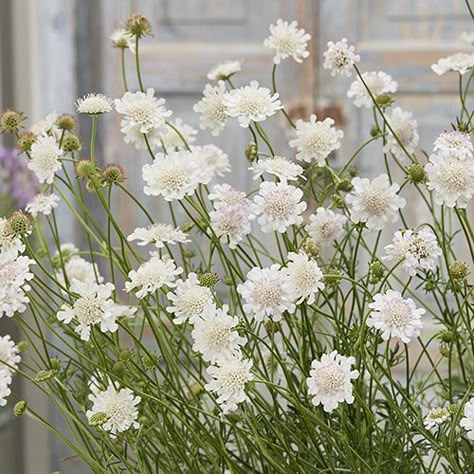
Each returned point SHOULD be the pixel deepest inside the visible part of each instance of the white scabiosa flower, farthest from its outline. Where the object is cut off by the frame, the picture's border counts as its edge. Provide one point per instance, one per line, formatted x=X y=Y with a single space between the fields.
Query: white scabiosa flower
x=118 y=405
x=214 y=335
x=9 y=354
x=94 y=306
x=459 y=62
x=251 y=103
x=10 y=244
x=47 y=126
x=224 y=70
x=279 y=205
x=5 y=381
x=78 y=269
x=378 y=82
x=325 y=226
x=316 y=140
x=212 y=109
x=42 y=204
x=231 y=223
x=451 y=179
x=224 y=195
x=287 y=41
x=44 y=162
x=153 y=275
x=211 y=161
x=305 y=277
x=122 y=39
x=172 y=176
x=374 y=202
x=436 y=417
x=405 y=128
x=278 y=166
x=171 y=140
x=133 y=136
x=189 y=299
x=14 y=275
x=467 y=421
x=418 y=250
x=454 y=143
x=395 y=316
x=142 y=111
x=330 y=380
x=229 y=380
x=159 y=235
x=340 y=57
x=94 y=104
x=266 y=293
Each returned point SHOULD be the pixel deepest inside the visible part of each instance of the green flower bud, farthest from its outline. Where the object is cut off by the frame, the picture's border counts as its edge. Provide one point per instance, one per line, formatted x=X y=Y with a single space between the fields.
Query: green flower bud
x=126 y=355
x=189 y=253
x=376 y=272
x=374 y=131
x=228 y=281
x=337 y=201
x=113 y=174
x=66 y=122
x=459 y=271
x=188 y=227
x=71 y=144
x=118 y=369
x=44 y=375
x=151 y=360
x=54 y=363
x=444 y=350
x=138 y=25
x=332 y=277
x=20 y=223
x=416 y=173
x=384 y=101
x=23 y=346
x=11 y=121
x=251 y=152
x=98 y=419
x=454 y=409
x=447 y=336
x=209 y=279
x=271 y=326
x=311 y=249
x=344 y=185
x=25 y=141
x=353 y=171
x=20 y=408
x=142 y=420
x=195 y=389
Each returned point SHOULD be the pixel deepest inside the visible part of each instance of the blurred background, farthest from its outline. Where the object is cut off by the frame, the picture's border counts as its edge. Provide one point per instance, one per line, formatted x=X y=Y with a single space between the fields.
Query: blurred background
x=53 y=51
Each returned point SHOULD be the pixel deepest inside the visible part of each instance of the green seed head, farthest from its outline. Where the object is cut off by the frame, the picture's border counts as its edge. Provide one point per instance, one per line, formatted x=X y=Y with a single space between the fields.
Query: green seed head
x=66 y=122
x=71 y=144
x=11 y=121
x=20 y=223
x=113 y=174
x=416 y=173
x=459 y=271
x=138 y=25
x=25 y=141
x=209 y=279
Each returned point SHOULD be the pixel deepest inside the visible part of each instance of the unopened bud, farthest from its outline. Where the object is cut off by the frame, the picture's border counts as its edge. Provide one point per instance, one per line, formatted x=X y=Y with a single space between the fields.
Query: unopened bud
x=20 y=408
x=384 y=101
x=150 y=360
x=311 y=249
x=44 y=375
x=85 y=169
x=344 y=185
x=251 y=151
x=23 y=346
x=333 y=277
x=416 y=173
x=66 y=122
x=118 y=369
x=98 y=419
x=209 y=279
x=376 y=272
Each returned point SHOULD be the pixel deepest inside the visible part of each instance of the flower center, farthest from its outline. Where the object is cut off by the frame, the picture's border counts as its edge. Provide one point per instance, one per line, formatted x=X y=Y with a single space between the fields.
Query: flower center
x=398 y=314
x=141 y=111
x=219 y=336
x=331 y=379
x=268 y=293
x=454 y=177
x=88 y=310
x=278 y=205
x=252 y=105
x=374 y=202
x=194 y=300
x=235 y=380
x=173 y=180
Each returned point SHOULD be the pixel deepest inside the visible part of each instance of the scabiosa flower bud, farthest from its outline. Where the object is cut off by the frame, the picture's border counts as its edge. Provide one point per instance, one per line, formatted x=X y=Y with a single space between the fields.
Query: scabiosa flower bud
x=374 y=131
x=125 y=355
x=444 y=349
x=251 y=152
x=454 y=409
x=311 y=249
x=188 y=253
x=151 y=360
x=19 y=223
x=118 y=369
x=66 y=122
x=23 y=346
x=25 y=140
x=337 y=201
x=195 y=390
x=376 y=272
x=71 y=143
x=384 y=101
x=416 y=173
x=44 y=375
x=271 y=326
x=187 y=227
x=344 y=185
x=11 y=121
x=138 y=25
x=459 y=271
x=208 y=279
x=54 y=362
x=353 y=171
x=85 y=169
x=98 y=419
x=20 y=408
x=447 y=336
x=332 y=277
x=113 y=174
x=228 y=281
